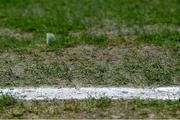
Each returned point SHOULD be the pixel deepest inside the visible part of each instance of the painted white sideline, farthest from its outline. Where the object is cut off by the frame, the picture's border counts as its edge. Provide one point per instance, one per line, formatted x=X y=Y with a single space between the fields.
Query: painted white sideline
x=162 y=93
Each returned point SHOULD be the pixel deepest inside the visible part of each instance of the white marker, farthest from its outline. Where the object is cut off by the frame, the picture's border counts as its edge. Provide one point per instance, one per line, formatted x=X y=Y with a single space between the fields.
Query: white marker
x=50 y=37
x=43 y=93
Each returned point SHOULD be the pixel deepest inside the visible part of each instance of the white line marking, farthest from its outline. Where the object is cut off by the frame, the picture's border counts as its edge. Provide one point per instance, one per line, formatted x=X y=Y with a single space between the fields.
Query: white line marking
x=162 y=93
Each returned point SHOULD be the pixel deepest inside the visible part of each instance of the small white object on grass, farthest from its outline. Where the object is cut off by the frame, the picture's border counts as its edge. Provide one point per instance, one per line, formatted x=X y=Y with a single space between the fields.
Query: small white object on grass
x=50 y=37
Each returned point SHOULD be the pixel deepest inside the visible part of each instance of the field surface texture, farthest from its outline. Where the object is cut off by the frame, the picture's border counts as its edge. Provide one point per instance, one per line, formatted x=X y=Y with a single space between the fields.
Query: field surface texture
x=98 y=44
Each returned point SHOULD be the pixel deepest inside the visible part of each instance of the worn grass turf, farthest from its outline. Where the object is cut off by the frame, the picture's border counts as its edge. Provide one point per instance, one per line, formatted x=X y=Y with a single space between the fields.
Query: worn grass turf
x=108 y=43
x=98 y=43
x=124 y=65
x=90 y=108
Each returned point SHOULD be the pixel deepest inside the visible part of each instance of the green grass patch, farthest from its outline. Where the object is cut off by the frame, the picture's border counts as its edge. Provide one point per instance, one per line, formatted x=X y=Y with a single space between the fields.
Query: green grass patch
x=13 y=43
x=6 y=100
x=103 y=102
x=167 y=38
x=82 y=39
x=66 y=16
x=63 y=16
x=91 y=108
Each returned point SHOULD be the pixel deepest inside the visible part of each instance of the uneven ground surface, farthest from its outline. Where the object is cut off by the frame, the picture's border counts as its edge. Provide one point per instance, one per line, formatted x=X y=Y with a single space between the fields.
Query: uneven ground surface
x=91 y=108
x=98 y=43
x=124 y=65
